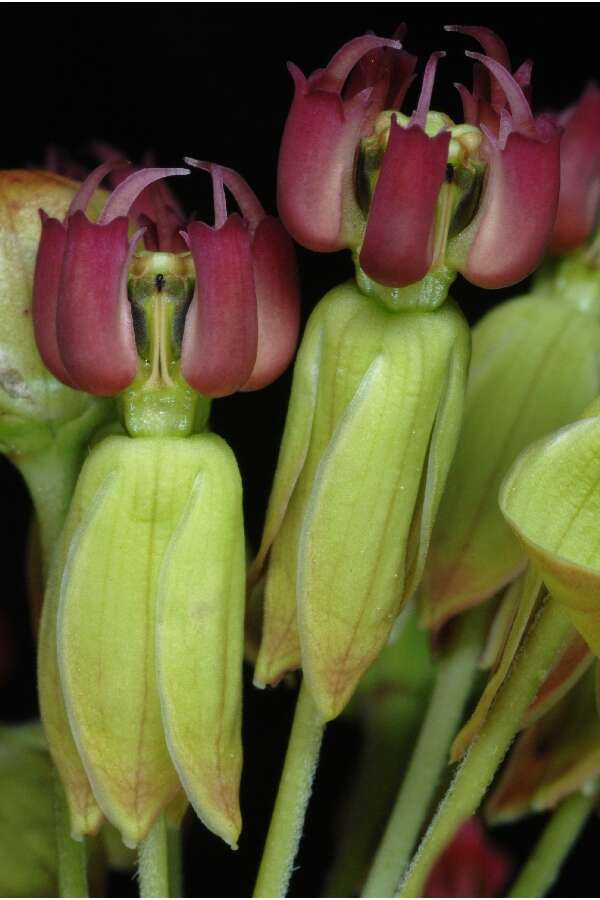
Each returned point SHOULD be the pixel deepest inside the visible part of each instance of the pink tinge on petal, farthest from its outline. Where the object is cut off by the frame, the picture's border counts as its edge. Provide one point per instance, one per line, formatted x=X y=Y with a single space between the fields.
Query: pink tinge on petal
x=389 y=72
x=124 y=196
x=469 y=104
x=221 y=332
x=469 y=867
x=579 y=174
x=332 y=78
x=46 y=282
x=93 y=322
x=249 y=204
x=495 y=48
x=398 y=243
x=517 y=210
x=518 y=103
x=92 y=183
x=153 y=209
x=419 y=116
x=316 y=165
x=523 y=78
x=278 y=302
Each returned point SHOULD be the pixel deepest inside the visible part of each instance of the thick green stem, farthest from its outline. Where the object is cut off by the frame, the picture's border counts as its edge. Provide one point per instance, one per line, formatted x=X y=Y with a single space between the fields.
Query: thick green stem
x=294 y=792
x=553 y=847
x=72 y=861
x=153 y=871
x=540 y=650
x=175 y=861
x=454 y=681
x=50 y=475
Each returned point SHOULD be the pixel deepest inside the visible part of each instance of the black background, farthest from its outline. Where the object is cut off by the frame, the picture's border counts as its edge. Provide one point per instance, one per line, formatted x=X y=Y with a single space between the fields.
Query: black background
x=209 y=80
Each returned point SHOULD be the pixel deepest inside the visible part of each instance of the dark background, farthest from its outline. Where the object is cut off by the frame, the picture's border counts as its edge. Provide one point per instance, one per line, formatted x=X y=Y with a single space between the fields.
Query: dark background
x=179 y=80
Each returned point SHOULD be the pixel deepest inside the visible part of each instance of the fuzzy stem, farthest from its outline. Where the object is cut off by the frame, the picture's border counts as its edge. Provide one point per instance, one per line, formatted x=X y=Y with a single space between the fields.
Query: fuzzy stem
x=554 y=845
x=540 y=650
x=154 y=861
x=366 y=807
x=454 y=681
x=175 y=861
x=72 y=863
x=294 y=792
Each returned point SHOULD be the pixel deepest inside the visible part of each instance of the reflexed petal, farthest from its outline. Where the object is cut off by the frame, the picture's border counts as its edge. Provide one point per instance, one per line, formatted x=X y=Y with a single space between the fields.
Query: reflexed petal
x=557 y=756
x=574 y=660
x=85 y=813
x=551 y=498
x=200 y=620
x=220 y=336
x=398 y=244
x=94 y=328
x=533 y=369
x=129 y=497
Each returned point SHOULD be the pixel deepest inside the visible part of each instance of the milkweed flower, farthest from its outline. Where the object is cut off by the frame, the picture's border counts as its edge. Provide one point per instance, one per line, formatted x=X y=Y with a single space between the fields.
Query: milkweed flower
x=141 y=637
x=355 y=173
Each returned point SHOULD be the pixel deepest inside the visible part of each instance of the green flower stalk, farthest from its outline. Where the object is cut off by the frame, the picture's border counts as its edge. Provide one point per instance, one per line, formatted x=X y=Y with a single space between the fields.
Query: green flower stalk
x=388 y=707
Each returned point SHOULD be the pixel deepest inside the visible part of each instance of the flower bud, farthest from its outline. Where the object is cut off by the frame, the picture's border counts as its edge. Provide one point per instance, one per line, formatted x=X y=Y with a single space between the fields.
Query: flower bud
x=557 y=756
x=141 y=637
x=470 y=866
x=533 y=369
x=372 y=423
x=550 y=499
x=31 y=400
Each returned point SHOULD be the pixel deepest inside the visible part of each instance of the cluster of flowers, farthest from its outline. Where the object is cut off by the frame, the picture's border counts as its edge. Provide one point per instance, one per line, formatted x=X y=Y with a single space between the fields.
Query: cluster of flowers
x=401 y=429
